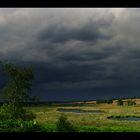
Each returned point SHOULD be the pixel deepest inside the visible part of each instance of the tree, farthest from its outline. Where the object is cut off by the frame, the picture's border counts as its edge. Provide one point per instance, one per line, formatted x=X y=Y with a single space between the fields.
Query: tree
x=120 y=102
x=110 y=101
x=131 y=102
x=85 y=102
x=17 y=91
x=35 y=99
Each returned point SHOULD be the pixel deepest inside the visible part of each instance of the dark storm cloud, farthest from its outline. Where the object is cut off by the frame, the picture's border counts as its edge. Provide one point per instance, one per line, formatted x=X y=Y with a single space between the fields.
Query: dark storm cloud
x=74 y=49
x=133 y=54
x=87 y=56
x=55 y=33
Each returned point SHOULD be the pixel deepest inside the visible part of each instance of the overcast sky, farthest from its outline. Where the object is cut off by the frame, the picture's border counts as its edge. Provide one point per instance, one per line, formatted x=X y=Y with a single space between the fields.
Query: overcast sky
x=77 y=53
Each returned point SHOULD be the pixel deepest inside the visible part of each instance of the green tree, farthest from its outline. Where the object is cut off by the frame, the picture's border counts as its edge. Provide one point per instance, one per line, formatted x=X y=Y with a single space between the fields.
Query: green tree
x=110 y=101
x=120 y=102
x=17 y=91
x=35 y=99
x=131 y=102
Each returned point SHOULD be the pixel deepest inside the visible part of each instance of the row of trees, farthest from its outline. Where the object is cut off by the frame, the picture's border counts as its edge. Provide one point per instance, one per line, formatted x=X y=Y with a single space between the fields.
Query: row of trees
x=109 y=101
x=120 y=102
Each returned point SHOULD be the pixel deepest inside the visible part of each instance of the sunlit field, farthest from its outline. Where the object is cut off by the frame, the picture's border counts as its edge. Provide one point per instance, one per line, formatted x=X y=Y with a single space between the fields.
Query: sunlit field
x=48 y=116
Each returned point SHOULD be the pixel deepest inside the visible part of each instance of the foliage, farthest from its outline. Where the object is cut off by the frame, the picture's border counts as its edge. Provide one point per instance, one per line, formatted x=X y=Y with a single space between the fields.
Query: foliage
x=10 y=111
x=120 y=102
x=48 y=116
x=16 y=92
x=109 y=101
x=131 y=103
x=105 y=129
x=35 y=99
x=20 y=126
x=20 y=82
x=64 y=125
x=49 y=127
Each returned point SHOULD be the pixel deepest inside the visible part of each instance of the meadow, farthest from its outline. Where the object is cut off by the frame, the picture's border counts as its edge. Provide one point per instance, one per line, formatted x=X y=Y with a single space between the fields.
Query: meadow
x=47 y=116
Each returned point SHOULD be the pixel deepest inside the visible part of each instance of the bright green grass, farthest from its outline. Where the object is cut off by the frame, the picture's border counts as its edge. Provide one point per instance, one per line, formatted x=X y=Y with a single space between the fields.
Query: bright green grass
x=82 y=128
x=48 y=115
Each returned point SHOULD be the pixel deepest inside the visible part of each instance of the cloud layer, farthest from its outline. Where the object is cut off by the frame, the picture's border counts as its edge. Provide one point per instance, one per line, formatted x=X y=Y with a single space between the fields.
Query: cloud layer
x=74 y=49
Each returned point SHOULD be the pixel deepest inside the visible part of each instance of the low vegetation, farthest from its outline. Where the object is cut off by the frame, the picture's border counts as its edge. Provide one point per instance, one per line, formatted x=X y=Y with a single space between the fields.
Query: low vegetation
x=120 y=102
x=49 y=119
x=64 y=125
x=131 y=103
x=109 y=101
x=19 y=126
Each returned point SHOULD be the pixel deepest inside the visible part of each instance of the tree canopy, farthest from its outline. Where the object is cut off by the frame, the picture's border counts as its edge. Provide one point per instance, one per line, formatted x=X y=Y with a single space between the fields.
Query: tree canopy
x=20 y=81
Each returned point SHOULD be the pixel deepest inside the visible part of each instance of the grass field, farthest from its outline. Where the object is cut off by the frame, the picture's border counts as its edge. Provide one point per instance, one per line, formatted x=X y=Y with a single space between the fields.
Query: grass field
x=48 y=116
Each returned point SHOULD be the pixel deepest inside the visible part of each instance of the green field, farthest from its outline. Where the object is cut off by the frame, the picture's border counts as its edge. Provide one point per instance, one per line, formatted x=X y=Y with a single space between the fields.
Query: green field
x=47 y=116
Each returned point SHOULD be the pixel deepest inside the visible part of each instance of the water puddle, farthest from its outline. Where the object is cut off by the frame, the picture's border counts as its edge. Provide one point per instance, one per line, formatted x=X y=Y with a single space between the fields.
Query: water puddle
x=81 y=111
x=125 y=118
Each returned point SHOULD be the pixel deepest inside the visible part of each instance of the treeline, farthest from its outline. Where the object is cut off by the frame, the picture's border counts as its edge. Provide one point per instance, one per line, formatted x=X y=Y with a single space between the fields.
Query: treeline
x=120 y=101
x=109 y=101
x=43 y=103
x=129 y=102
x=32 y=103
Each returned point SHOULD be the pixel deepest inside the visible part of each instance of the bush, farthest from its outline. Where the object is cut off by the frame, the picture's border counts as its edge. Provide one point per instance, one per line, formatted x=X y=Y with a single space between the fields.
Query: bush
x=131 y=103
x=120 y=102
x=20 y=126
x=100 y=101
x=109 y=101
x=63 y=125
x=9 y=111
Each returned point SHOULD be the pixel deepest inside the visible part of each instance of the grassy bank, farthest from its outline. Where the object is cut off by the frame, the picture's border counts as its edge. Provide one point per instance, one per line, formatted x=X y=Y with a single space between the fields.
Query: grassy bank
x=48 y=116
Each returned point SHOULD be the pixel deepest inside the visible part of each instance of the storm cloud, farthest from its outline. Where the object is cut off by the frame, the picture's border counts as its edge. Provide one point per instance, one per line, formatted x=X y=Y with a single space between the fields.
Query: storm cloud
x=75 y=51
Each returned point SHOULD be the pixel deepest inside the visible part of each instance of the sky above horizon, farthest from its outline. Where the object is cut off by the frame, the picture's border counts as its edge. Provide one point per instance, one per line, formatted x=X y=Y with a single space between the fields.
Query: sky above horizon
x=77 y=53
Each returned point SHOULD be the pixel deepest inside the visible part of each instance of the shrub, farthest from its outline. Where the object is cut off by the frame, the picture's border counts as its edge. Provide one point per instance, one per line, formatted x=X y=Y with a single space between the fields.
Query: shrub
x=9 y=111
x=19 y=126
x=120 y=102
x=63 y=125
x=131 y=103
x=99 y=101
x=109 y=101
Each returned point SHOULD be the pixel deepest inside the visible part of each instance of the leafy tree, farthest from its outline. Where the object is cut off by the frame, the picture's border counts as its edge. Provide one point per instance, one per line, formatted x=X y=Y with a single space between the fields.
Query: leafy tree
x=84 y=101
x=35 y=99
x=120 y=102
x=17 y=91
x=110 y=101
x=131 y=103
